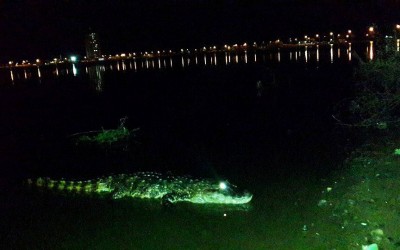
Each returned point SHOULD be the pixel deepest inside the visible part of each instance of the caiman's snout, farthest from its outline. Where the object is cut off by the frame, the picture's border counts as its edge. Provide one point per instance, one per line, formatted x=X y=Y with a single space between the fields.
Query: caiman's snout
x=244 y=197
x=248 y=195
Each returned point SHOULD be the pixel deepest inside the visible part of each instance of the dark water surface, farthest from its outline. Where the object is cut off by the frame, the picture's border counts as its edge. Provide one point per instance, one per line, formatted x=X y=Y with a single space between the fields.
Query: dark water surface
x=276 y=139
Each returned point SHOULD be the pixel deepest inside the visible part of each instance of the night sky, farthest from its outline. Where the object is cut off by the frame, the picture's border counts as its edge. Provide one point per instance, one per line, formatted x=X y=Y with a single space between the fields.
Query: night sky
x=48 y=28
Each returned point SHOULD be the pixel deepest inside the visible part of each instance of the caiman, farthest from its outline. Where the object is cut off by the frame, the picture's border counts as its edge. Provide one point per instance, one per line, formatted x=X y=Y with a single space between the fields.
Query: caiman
x=149 y=185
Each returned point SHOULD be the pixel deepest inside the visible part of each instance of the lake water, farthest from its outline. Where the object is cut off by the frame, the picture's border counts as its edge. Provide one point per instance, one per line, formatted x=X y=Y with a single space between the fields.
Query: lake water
x=262 y=121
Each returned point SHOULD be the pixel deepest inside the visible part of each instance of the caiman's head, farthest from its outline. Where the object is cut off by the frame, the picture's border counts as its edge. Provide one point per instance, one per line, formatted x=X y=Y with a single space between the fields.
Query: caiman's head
x=221 y=193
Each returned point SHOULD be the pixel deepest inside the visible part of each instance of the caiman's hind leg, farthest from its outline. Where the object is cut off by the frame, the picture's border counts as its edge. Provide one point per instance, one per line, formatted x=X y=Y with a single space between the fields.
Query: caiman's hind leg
x=174 y=197
x=168 y=199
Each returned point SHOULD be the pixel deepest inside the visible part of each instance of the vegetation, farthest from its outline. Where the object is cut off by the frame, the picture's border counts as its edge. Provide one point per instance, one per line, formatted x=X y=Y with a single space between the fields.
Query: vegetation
x=377 y=99
x=120 y=135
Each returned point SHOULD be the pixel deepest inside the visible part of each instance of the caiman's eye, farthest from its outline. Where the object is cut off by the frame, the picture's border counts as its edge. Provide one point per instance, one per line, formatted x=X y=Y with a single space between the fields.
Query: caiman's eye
x=222 y=185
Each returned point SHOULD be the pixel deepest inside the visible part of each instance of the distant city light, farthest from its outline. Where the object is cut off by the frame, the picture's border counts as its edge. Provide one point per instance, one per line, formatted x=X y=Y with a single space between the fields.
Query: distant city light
x=313 y=38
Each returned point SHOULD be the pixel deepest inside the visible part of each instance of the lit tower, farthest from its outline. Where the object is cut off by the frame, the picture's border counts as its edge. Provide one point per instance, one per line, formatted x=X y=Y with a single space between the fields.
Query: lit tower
x=92 y=45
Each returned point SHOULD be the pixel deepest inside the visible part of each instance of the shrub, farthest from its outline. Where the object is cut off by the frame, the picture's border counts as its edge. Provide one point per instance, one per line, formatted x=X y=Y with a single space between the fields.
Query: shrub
x=377 y=98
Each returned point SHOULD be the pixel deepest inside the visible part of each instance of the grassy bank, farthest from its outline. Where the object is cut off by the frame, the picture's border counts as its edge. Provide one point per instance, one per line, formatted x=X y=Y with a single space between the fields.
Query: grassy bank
x=361 y=202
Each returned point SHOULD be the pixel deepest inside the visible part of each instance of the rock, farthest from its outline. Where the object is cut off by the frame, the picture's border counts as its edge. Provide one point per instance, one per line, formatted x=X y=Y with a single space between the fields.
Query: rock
x=322 y=203
x=377 y=235
x=370 y=247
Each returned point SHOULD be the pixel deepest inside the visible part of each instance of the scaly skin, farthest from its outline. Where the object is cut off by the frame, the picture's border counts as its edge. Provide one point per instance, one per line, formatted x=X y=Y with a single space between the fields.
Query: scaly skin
x=149 y=185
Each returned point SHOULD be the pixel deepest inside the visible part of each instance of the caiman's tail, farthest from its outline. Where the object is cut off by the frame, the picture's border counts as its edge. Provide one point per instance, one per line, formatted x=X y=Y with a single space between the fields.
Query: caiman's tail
x=90 y=186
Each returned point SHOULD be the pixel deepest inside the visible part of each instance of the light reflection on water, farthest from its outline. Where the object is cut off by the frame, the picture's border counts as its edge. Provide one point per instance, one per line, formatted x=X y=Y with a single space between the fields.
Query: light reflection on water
x=74 y=70
x=349 y=54
x=12 y=75
x=96 y=76
x=304 y=54
x=371 y=50
x=279 y=56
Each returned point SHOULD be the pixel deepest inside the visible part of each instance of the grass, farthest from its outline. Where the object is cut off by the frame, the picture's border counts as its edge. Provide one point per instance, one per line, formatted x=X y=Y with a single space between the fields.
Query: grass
x=363 y=200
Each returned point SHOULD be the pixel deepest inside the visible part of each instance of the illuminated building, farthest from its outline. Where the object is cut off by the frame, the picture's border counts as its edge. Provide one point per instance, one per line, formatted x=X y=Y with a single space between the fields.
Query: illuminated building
x=92 y=45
